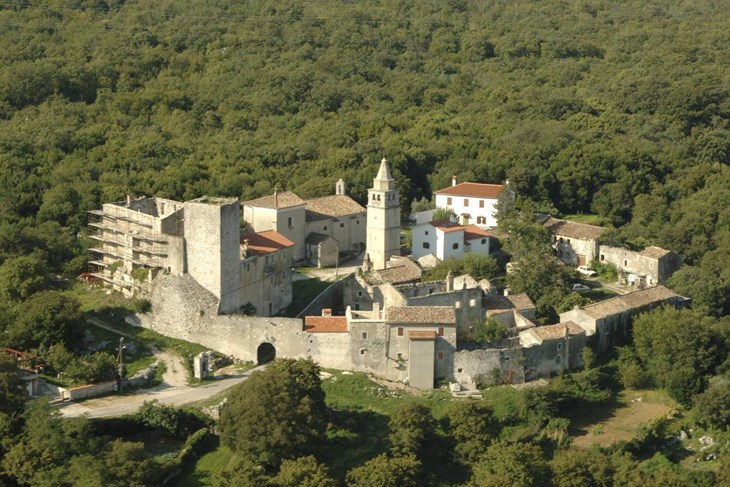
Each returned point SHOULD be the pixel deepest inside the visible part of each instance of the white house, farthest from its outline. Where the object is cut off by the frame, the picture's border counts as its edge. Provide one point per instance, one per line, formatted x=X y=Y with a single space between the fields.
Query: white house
x=445 y=240
x=473 y=203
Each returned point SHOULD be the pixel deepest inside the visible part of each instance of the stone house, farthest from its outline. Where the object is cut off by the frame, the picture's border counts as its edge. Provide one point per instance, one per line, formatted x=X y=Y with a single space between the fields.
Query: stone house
x=447 y=240
x=321 y=250
x=512 y=310
x=610 y=321
x=575 y=244
x=281 y=212
x=266 y=274
x=646 y=268
x=473 y=203
x=552 y=349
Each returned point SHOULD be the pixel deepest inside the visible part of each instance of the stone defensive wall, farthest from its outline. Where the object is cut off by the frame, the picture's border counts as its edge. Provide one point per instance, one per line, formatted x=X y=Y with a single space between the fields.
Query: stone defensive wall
x=183 y=309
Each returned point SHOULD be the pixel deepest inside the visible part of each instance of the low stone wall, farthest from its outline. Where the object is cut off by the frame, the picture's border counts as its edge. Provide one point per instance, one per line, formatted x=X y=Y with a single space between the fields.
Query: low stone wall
x=143 y=377
x=91 y=390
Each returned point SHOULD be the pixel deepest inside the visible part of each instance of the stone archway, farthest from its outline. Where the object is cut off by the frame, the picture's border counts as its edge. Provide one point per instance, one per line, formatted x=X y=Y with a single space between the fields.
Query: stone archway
x=265 y=353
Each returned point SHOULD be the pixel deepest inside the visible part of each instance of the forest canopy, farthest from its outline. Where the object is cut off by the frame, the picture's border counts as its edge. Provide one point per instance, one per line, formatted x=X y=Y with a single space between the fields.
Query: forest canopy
x=618 y=109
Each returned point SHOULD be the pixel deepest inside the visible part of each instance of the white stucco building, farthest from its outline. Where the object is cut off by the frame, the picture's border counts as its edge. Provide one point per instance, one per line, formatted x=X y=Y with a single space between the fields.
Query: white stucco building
x=473 y=203
x=446 y=240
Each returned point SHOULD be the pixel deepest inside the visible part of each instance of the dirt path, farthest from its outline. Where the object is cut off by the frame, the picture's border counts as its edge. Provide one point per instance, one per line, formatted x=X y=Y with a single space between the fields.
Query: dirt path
x=175 y=374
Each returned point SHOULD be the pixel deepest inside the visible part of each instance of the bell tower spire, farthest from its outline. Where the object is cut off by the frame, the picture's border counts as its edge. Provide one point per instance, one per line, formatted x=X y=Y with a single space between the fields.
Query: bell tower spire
x=383 y=229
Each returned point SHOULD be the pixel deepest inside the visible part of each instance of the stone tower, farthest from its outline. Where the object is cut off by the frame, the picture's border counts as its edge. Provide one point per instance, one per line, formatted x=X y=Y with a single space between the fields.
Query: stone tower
x=212 y=242
x=383 y=229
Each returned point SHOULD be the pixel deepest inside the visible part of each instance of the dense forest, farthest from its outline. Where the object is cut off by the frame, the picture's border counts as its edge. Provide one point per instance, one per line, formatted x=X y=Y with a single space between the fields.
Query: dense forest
x=619 y=109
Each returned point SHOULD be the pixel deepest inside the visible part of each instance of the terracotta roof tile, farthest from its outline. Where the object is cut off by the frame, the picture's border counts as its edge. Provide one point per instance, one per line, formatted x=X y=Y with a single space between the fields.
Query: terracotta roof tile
x=476 y=190
x=263 y=243
x=335 y=206
x=325 y=324
x=286 y=199
x=580 y=231
x=447 y=226
x=421 y=335
x=472 y=232
x=420 y=314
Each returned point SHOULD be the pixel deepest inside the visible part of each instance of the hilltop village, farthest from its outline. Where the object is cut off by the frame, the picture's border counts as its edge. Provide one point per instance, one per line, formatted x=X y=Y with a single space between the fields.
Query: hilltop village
x=212 y=282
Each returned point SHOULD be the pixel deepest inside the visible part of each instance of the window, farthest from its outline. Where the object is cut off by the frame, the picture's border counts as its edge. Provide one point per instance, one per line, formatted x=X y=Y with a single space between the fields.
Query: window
x=400 y=331
x=357 y=221
x=560 y=346
x=272 y=279
x=362 y=351
x=455 y=246
x=440 y=331
x=603 y=257
x=426 y=232
x=457 y=304
x=481 y=220
x=324 y=229
x=356 y=306
x=290 y=222
x=481 y=203
x=426 y=245
x=472 y=302
x=460 y=370
x=484 y=241
x=626 y=262
x=448 y=200
x=466 y=201
x=557 y=359
x=399 y=357
x=440 y=355
x=342 y=225
x=359 y=294
x=364 y=335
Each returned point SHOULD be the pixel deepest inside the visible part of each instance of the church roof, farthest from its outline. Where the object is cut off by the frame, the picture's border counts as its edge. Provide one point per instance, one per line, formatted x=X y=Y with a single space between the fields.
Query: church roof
x=334 y=206
x=475 y=190
x=287 y=199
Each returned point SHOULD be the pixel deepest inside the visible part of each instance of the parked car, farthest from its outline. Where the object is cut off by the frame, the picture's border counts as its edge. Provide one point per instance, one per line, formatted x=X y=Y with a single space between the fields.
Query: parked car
x=586 y=271
x=581 y=288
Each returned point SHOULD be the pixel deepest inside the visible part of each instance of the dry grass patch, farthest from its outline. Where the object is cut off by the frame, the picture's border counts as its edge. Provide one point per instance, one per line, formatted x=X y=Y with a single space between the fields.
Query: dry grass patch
x=633 y=408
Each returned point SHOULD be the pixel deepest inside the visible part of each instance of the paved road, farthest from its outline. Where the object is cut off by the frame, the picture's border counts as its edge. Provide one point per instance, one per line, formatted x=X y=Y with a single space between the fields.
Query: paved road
x=126 y=404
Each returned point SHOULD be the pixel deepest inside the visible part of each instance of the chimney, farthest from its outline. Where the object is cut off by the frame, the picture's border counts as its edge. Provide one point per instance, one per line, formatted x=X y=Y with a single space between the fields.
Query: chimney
x=453 y=180
x=507 y=291
x=327 y=312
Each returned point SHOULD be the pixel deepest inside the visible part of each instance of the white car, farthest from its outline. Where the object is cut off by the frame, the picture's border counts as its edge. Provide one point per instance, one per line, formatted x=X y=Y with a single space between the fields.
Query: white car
x=586 y=271
x=581 y=288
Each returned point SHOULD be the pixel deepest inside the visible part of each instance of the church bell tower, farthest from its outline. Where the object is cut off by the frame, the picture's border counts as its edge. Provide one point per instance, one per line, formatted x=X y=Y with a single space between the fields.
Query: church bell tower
x=383 y=229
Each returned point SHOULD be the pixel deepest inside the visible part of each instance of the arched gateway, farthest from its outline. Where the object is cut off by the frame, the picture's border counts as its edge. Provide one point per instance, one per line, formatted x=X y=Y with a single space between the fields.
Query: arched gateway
x=265 y=353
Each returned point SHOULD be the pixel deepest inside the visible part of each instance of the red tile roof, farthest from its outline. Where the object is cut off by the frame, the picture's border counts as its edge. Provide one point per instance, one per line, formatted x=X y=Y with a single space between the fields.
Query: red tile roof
x=472 y=232
x=325 y=324
x=421 y=335
x=446 y=226
x=476 y=190
x=263 y=243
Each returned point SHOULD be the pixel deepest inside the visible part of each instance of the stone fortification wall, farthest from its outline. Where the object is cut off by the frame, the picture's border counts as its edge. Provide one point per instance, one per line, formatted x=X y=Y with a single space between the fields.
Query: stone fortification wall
x=498 y=362
x=183 y=309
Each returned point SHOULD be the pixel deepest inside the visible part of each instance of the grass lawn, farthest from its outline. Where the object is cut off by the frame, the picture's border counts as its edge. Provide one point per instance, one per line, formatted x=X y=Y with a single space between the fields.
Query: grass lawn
x=587 y=218
x=204 y=471
x=304 y=293
x=606 y=427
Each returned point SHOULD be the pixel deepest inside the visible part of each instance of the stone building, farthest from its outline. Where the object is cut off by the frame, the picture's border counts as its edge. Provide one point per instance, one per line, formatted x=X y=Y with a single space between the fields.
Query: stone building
x=575 y=244
x=266 y=272
x=383 y=219
x=610 y=321
x=135 y=239
x=447 y=240
x=552 y=349
x=646 y=268
x=473 y=203
x=282 y=212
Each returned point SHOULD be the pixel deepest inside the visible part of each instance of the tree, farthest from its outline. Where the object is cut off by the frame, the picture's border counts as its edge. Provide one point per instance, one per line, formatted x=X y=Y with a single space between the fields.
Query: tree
x=580 y=468
x=712 y=407
x=303 y=472
x=511 y=465
x=384 y=471
x=478 y=266
x=412 y=430
x=20 y=277
x=12 y=395
x=441 y=214
x=277 y=414
x=44 y=319
x=472 y=427
x=422 y=205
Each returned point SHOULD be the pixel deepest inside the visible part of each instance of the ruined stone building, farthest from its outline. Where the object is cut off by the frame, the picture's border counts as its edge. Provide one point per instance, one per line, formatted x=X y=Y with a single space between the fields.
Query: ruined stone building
x=645 y=268
x=609 y=321
x=575 y=244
